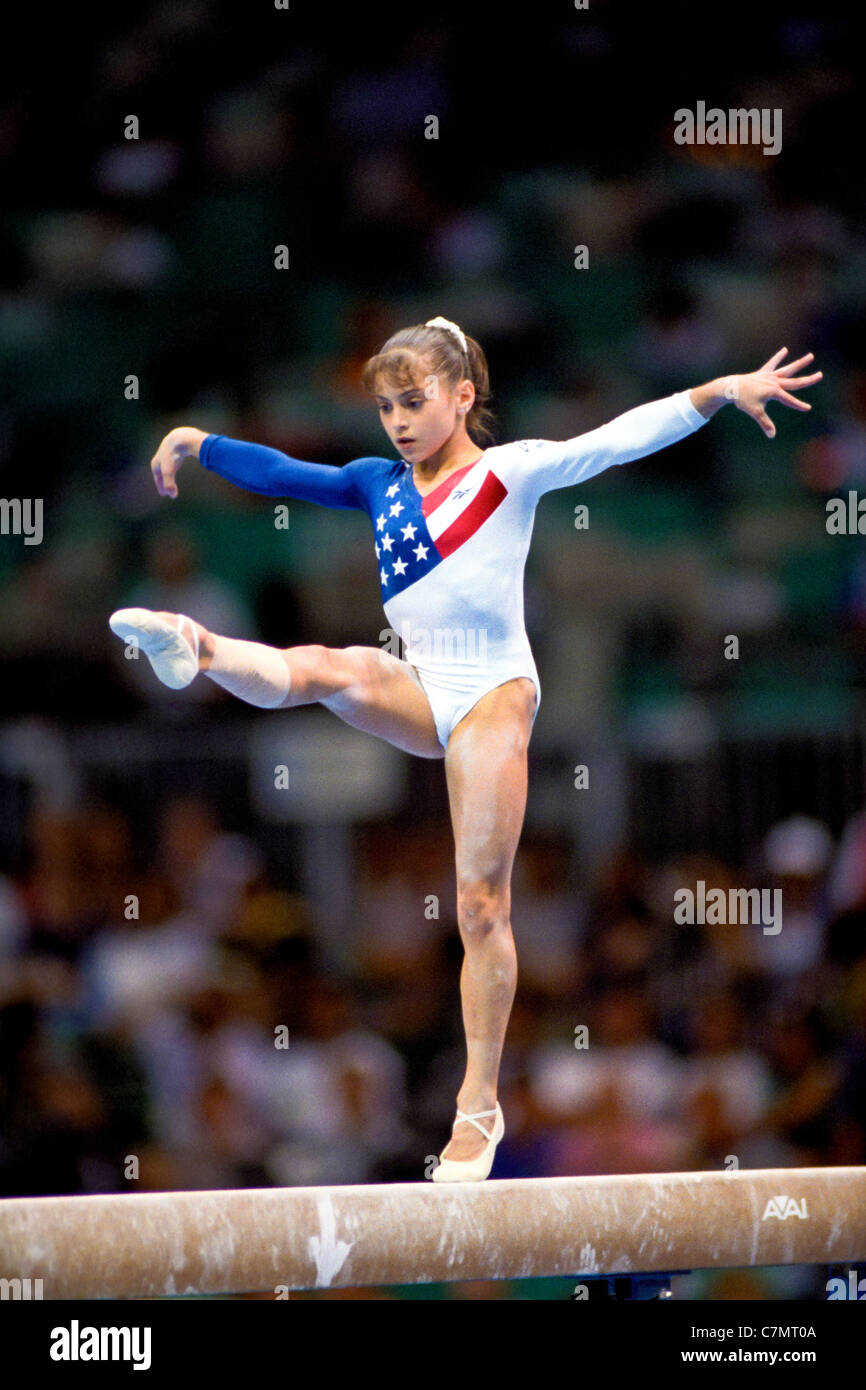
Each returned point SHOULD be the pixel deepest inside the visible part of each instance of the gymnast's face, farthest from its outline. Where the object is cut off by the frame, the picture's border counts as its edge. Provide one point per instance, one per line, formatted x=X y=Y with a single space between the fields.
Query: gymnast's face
x=420 y=419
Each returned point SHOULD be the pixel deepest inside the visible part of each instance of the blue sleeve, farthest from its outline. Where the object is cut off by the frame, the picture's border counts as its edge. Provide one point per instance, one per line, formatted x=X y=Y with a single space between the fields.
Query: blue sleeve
x=258 y=468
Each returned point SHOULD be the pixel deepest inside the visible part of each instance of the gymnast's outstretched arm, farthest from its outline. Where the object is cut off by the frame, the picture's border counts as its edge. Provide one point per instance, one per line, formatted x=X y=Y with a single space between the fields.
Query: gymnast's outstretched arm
x=255 y=467
x=652 y=426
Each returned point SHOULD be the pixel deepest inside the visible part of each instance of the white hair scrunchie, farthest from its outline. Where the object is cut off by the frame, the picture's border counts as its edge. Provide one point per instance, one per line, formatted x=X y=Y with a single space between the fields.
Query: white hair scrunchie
x=449 y=327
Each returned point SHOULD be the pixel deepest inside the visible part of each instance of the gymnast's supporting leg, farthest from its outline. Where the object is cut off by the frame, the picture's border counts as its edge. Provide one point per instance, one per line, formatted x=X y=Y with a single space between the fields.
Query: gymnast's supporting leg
x=486 y=770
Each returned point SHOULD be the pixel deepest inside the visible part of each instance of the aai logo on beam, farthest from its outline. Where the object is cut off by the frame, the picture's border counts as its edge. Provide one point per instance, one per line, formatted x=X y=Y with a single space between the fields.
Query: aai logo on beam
x=783 y=1207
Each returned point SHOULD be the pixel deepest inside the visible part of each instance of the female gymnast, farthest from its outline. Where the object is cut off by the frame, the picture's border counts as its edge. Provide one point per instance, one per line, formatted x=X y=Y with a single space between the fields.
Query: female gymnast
x=452 y=518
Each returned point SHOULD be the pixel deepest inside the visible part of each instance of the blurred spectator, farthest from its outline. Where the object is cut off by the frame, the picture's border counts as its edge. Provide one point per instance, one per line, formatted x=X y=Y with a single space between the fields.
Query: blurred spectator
x=726 y=1085
x=797 y=855
x=337 y=1095
x=621 y=1051
x=806 y=1079
x=547 y=919
x=846 y=889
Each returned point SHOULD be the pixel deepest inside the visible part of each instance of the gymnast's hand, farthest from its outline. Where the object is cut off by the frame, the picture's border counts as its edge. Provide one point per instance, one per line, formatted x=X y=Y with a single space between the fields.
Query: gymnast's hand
x=754 y=390
x=179 y=444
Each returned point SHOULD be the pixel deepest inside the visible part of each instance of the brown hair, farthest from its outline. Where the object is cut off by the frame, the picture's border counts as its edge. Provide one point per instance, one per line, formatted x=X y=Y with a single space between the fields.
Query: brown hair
x=397 y=362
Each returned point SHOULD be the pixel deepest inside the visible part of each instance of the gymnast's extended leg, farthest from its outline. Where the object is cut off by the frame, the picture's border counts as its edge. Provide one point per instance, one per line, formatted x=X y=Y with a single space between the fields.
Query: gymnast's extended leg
x=365 y=686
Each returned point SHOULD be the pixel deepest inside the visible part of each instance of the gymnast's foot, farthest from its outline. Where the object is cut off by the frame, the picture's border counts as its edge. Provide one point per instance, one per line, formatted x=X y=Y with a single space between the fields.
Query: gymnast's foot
x=469 y=1154
x=176 y=646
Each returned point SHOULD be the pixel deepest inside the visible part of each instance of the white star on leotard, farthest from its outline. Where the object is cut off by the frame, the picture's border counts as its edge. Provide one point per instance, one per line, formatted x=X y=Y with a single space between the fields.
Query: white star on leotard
x=420 y=551
x=399 y=566
x=409 y=532
x=380 y=522
x=384 y=576
x=397 y=509
x=376 y=548
x=387 y=542
x=392 y=489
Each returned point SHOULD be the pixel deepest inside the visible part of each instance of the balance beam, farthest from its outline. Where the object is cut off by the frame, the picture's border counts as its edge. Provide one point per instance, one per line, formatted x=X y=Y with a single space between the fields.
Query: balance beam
x=157 y=1244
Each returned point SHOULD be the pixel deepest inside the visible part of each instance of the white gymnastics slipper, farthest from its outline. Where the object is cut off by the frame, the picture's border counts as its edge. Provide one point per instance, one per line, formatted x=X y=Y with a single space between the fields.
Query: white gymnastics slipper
x=172 y=656
x=473 y=1169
